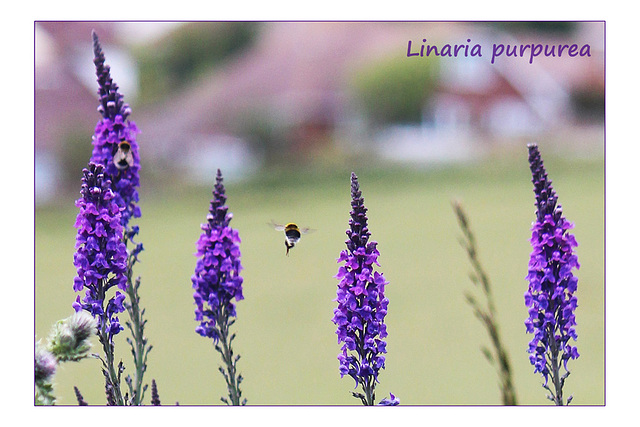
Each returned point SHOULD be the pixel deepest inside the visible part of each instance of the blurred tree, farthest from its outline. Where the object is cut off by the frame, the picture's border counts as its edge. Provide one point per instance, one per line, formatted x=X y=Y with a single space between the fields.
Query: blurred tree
x=181 y=56
x=265 y=136
x=74 y=155
x=589 y=104
x=557 y=27
x=395 y=89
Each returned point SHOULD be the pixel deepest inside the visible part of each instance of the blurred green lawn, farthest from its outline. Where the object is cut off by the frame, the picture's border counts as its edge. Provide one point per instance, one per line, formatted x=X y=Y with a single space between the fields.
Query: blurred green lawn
x=284 y=331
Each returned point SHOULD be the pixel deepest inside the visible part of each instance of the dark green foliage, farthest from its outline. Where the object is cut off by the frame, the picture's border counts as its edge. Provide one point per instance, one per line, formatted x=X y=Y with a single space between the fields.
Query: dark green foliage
x=395 y=89
x=187 y=53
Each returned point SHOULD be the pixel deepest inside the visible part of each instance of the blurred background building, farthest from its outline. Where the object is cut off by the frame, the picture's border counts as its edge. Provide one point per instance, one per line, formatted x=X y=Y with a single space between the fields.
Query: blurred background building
x=249 y=95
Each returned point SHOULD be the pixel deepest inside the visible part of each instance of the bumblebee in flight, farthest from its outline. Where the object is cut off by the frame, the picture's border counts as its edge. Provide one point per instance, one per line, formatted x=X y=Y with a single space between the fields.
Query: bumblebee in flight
x=123 y=157
x=292 y=233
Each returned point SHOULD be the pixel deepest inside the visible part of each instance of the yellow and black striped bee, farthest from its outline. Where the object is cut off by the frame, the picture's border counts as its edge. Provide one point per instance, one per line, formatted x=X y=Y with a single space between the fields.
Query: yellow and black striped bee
x=292 y=233
x=123 y=157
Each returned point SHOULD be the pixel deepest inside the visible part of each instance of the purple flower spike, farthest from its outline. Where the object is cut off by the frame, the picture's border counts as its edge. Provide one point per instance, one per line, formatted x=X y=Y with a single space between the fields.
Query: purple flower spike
x=362 y=305
x=550 y=298
x=217 y=279
x=217 y=282
x=101 y=255
x=114 y=142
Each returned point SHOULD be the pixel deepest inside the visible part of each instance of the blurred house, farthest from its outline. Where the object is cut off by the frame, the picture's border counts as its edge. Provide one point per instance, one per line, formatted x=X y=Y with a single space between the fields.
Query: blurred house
x=291 y=86
x=288 y=93
x=284 y=95
x=478 y=105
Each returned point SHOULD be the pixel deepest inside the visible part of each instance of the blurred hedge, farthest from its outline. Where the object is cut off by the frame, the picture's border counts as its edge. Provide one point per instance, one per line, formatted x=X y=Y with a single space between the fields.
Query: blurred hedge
x=394 y=89
x=186 y=53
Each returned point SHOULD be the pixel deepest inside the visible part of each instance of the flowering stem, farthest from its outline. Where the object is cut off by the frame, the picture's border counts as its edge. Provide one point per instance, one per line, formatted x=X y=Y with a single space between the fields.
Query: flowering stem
x=116 y=150
x=217 y=282
x=550 y=297
x=100 y=260
x=362 y=305
x=486 y=315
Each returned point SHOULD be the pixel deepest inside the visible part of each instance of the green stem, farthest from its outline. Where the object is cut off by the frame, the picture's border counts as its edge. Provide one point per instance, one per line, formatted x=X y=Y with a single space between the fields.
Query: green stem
x=233 y=382
x=369 y=386
x=555 y=370
x=369 y=392
x=139 y=343
x=136 y=327
x=113 y=377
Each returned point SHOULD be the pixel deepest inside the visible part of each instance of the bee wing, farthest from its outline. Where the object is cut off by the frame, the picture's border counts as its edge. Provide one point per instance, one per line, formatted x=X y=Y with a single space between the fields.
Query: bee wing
x=278 y=227
x=306 y=230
